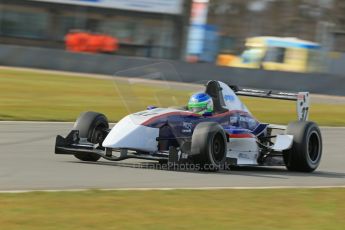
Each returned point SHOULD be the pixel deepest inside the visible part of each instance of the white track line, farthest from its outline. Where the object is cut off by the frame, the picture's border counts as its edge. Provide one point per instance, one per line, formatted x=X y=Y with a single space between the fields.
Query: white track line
x=169 y=189
x=37 y=122
x=42 y=122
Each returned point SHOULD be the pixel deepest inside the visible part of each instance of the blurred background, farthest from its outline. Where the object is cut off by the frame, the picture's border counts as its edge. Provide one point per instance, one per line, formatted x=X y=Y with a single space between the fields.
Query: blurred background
x=283 y=35
x=59 y=58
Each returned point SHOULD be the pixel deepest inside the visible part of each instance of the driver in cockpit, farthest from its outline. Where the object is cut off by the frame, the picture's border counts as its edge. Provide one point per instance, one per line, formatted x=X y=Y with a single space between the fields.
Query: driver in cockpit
x=201 y=103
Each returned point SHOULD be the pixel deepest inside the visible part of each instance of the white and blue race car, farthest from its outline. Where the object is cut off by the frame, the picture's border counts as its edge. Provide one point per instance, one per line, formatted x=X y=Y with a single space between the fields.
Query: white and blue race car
x=230 y=135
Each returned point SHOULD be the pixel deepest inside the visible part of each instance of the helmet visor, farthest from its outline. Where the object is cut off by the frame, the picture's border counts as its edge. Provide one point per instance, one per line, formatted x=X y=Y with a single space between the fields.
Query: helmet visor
x=197 y=109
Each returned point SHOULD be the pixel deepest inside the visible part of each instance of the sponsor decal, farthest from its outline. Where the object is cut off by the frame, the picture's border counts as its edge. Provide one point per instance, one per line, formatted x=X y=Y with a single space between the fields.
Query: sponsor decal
x=243 y=119
x=229 y=98
x=187 y=127
x=151 y=112
x=233 y=119
x=253 y=90
x=286 y=94
x=251 y=121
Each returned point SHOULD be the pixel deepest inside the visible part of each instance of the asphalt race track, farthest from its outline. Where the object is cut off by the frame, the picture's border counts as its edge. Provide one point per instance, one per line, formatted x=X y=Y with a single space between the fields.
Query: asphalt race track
x=27 y=161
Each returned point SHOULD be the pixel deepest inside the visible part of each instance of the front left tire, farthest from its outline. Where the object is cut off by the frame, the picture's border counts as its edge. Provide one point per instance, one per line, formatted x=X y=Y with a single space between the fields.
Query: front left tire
x=208 y=147
x=92 y=126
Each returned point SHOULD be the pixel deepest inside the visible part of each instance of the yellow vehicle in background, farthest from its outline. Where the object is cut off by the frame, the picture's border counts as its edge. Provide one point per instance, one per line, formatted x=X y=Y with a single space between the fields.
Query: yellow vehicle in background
x=276 y=53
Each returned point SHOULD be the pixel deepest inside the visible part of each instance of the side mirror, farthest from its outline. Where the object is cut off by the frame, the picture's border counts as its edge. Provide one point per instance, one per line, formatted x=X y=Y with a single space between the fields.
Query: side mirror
x=150 y=107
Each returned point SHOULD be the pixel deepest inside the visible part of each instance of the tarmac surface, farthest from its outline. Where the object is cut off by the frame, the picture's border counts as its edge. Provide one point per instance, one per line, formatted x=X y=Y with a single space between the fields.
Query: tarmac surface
x=27 y=161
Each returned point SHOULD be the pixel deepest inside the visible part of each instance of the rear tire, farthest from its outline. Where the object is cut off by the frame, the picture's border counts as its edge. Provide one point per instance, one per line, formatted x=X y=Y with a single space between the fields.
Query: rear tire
x=209 y=146
x=91 y=125
x=305 y=153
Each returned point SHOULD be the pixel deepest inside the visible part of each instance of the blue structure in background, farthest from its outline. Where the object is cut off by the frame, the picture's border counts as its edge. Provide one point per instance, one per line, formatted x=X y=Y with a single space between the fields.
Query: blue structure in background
x=203 y=42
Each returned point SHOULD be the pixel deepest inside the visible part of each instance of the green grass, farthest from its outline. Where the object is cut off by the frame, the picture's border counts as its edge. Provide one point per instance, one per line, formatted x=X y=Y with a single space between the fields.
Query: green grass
x=31 y=95
x=307 y=209
x=282 y=112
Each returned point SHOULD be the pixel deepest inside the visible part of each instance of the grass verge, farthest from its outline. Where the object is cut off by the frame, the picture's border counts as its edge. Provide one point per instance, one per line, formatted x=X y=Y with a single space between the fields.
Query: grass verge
x=31 y=95
x=281 y=209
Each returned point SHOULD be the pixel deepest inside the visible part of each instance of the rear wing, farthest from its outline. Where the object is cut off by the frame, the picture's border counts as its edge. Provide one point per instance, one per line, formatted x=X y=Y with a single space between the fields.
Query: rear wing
x=301 y=98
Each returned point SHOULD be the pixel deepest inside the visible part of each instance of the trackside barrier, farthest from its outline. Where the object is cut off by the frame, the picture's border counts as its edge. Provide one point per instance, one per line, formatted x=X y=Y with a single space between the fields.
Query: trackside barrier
x=42 y=58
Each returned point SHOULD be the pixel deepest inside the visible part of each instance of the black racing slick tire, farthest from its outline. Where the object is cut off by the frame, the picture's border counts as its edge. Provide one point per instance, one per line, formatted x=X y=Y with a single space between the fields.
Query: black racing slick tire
x=209 y=146
x=306 y=151
x=91 y=125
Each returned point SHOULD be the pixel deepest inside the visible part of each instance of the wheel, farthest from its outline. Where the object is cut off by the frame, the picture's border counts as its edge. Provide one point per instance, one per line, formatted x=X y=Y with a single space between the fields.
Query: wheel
x=91 y=125
x=305 y=153
x=209 y=146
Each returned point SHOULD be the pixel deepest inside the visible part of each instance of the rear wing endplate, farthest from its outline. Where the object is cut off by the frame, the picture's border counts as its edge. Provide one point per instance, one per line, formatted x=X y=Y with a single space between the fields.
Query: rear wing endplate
x=301 y=98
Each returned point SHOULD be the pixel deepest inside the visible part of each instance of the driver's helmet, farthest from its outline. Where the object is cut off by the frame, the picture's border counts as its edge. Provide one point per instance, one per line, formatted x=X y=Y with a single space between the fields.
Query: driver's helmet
x=200 y=103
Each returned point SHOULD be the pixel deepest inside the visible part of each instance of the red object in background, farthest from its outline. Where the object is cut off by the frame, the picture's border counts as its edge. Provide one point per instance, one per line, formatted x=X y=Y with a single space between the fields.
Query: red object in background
x=92 y=43
x=76 y=41
x=71 y=41
x=109 y=44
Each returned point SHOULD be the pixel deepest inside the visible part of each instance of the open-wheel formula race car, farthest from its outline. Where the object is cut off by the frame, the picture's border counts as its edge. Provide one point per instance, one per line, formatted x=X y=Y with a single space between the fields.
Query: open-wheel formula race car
x=230 y=135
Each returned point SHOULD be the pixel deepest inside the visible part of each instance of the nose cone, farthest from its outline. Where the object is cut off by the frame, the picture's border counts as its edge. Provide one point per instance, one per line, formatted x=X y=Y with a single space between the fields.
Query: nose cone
x=128 y=134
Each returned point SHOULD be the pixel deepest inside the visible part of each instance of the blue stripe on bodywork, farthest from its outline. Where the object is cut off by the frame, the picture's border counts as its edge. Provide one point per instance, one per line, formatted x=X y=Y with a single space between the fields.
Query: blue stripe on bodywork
x=259 y=129
x=236 y=130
